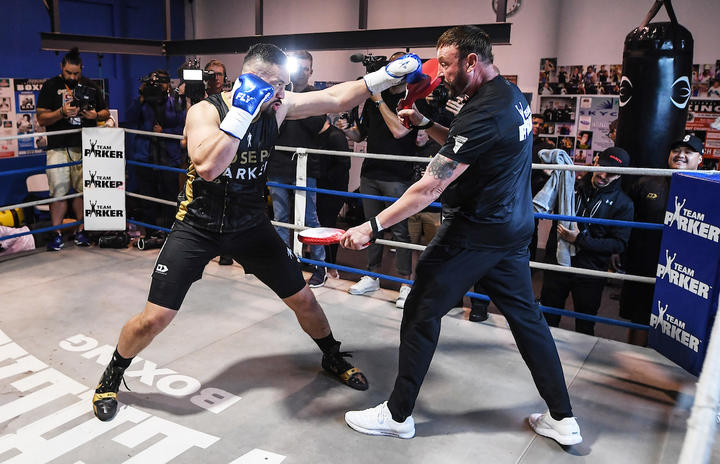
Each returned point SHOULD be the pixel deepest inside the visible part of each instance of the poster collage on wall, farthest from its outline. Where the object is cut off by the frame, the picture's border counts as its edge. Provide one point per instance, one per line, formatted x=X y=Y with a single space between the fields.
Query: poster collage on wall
x=18 y=115
x=579 y=102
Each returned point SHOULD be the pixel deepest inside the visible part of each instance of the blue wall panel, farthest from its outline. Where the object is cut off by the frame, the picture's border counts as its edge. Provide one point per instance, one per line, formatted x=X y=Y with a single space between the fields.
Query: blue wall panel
x=22 y=56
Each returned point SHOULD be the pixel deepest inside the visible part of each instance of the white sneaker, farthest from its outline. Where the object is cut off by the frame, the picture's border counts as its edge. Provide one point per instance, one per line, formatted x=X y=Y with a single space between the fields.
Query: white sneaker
x=379 y=421
x=365 y=285
x=402 y=296
x=566 y=431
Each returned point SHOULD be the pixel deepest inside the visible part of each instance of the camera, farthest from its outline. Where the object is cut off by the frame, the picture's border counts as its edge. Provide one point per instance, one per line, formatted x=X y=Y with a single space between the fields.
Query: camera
x=195 y=80
x=84 y=97
x=440 y=95
x=152 y=90
x=371 y=62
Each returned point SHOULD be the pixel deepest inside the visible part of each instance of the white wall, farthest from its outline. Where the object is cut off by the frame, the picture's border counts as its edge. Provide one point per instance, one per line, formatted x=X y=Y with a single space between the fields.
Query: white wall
x=576 y=31
x=593 y=32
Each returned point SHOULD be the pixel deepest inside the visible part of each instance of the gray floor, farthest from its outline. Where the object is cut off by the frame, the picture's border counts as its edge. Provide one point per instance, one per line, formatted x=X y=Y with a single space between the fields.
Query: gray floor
x=60 y=315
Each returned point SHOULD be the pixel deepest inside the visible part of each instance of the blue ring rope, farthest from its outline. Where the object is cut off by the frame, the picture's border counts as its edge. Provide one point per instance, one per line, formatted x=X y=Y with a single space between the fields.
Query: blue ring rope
x=38 y=168
x=42 y=229
x=480 y=296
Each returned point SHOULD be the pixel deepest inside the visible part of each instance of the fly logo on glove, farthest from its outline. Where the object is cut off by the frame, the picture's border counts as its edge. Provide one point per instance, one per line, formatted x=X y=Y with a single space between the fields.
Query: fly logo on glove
x=249 y=93
x=407 y=68
x=242 y=98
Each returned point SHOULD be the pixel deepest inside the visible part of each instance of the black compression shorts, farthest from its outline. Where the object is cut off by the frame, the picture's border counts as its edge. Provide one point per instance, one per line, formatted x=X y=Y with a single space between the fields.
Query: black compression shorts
x=187 y=250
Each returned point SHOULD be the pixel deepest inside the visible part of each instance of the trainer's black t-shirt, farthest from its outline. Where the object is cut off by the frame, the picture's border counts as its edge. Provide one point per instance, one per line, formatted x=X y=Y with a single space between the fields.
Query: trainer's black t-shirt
x=380 y=140
x=234 y=201
x=53 y=94
x=490 y=203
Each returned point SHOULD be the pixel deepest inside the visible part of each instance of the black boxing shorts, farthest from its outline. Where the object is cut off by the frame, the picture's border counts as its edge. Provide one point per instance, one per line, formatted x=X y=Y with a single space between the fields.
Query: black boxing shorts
x=188 y=249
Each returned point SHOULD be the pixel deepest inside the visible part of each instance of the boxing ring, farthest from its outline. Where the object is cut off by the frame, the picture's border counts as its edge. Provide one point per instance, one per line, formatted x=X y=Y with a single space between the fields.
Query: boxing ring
x=221 y=385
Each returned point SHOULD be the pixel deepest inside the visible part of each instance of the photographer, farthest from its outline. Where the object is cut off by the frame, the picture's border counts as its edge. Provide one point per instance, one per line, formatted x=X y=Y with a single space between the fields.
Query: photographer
x=68 y=101
x=219 y=77
x=155 y=111
x=385 y=134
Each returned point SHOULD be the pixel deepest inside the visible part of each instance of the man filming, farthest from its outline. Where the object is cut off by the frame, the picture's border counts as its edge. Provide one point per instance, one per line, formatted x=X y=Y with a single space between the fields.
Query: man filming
x=68 y=101
x=154 y=111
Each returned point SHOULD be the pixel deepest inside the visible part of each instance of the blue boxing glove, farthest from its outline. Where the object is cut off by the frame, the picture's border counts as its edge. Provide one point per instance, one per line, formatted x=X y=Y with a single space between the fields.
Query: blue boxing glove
x=248 y=95
x=407 y=68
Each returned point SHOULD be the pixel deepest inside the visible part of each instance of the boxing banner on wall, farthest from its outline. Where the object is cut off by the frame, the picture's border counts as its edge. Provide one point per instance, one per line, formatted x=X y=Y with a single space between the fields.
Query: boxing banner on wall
x=8 y=148
x=688 y=272
x=27 y=92
x=704 y=122
x=103 y=178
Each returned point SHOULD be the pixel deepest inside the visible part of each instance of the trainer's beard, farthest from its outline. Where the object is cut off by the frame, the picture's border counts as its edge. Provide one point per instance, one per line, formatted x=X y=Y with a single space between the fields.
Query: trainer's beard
x=458 y=87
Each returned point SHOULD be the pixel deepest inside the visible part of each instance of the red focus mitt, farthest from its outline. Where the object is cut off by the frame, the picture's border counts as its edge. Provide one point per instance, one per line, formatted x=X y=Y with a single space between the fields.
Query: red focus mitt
x=421 y=88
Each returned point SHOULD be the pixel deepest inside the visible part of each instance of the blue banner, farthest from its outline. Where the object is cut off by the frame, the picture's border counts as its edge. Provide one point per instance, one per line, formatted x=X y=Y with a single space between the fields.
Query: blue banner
x=688 y=272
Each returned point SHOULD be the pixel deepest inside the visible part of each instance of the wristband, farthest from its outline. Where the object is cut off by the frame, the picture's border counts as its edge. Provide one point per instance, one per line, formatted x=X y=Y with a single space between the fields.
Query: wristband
x=376 y=228
x=424 y=124
x=378 y=103
x=62 y=113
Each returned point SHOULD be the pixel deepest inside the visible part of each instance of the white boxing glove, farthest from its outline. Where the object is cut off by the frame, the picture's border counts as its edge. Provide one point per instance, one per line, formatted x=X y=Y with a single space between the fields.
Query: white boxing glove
x=407 y=68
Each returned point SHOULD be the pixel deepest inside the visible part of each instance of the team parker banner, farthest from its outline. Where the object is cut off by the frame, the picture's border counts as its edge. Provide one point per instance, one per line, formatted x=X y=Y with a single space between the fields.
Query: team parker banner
x=688 y=272
x=103 y=178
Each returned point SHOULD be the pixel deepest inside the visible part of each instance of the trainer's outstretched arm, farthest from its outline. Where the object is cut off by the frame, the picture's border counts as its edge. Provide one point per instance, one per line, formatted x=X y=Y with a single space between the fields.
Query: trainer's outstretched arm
x=439 y=174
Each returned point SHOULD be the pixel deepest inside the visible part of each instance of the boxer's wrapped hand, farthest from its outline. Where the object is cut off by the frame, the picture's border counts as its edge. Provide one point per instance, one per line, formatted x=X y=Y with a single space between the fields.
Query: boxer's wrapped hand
x=407 y=68
x=248 y=95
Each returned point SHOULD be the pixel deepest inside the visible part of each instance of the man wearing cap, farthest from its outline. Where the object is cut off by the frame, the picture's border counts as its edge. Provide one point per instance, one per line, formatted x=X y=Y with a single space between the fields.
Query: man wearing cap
x=650 y=196
x=598 y=195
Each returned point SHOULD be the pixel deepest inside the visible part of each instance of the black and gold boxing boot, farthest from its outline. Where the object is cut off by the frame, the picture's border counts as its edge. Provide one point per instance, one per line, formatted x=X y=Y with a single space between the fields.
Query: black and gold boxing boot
x=104 y=400
x=334 y=362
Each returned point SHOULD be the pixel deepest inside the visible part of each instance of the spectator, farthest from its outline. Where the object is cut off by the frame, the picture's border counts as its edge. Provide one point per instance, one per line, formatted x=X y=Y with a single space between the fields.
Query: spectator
x=215 y=86
x=650 y=195
x=155 y=111
x=385 y=134
x=335 y=176
x=538 y=176
x=58 y=110
x=598 y=195
x=282 y=165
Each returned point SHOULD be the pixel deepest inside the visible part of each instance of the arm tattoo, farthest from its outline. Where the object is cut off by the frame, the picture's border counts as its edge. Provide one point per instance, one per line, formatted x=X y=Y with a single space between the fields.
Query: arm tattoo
x=442 y=167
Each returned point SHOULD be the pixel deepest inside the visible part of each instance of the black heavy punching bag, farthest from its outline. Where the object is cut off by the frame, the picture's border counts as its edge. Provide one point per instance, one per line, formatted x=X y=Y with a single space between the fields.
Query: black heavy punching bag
x=655 y=89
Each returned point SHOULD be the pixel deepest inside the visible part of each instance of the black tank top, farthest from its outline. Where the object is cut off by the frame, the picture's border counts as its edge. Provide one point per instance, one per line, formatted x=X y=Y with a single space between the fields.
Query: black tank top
x=234 y=201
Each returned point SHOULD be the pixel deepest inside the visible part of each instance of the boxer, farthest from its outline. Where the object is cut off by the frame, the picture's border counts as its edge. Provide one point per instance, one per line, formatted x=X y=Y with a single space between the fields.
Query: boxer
x=222 y=208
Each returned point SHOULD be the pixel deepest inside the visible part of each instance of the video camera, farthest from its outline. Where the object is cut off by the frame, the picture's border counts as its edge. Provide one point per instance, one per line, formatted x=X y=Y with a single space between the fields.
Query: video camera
x=84 y=97
x=440 y=97
x=151 y=90
x=371 y=62
x=195 y=80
